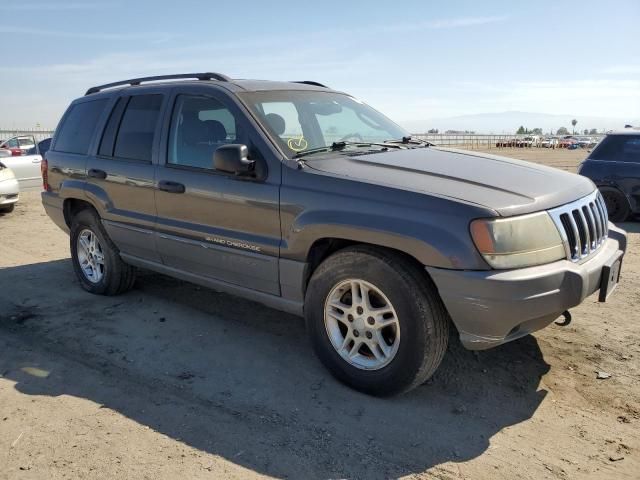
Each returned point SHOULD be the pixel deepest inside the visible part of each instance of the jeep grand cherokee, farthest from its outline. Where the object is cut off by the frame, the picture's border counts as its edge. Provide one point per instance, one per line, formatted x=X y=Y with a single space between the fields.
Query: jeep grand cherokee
x=308 y=200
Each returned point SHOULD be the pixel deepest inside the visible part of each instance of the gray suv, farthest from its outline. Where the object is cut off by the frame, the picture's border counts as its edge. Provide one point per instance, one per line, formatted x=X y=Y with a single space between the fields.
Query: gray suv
x=307 y=200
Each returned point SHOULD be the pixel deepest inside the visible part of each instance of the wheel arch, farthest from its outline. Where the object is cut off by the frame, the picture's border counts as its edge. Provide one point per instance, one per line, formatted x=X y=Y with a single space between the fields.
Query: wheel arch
x=71 y=206
x=324 y=247
x=78 y=195
x=613 y=187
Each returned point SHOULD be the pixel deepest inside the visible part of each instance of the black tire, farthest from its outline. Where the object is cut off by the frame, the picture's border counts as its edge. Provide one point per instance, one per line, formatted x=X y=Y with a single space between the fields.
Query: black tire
x=8 y=208
x=424 y=322
x=617 y=205
x=118 y=276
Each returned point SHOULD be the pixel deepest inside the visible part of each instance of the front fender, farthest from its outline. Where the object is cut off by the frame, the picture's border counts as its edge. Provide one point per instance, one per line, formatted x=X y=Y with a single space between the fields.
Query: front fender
x=428 y=243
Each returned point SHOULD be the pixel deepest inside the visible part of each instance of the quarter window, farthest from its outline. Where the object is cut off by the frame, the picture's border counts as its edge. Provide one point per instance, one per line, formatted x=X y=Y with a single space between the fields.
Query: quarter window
x=199 y=126
x=137 y=128
x=76 y=131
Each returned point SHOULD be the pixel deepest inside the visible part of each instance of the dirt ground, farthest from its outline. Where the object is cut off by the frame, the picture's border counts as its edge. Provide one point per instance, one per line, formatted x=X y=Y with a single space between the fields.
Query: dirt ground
x=175 y=381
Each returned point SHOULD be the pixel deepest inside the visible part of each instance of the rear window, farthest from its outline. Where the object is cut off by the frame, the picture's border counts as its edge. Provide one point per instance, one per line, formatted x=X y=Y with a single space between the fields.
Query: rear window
x=137 y=128
x=78 y=126
x=618 y=148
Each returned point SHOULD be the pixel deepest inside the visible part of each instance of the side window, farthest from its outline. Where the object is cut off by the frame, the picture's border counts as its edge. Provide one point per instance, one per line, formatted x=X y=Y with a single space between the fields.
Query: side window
x=76 y=131
x=26 y=142
x=199 y=126
x=134 y=140
x=619 y=148
x=631 y=150
x=109 y=136
x=11 y=143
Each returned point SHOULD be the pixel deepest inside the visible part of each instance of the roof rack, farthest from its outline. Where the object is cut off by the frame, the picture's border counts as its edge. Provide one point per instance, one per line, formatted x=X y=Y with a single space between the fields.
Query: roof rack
x=310 y=82
x=137 y=81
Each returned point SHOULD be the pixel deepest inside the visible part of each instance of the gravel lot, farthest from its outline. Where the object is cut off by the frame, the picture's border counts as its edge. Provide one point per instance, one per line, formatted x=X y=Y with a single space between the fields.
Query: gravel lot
x=175 y=381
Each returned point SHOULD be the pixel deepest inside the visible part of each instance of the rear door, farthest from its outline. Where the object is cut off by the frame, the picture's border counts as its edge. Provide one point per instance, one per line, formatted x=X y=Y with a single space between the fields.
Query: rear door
x=212 y=224
x=121 y=174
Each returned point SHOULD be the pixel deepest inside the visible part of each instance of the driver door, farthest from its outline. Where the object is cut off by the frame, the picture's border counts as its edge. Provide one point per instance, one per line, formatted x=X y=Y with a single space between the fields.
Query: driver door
x=213 y=224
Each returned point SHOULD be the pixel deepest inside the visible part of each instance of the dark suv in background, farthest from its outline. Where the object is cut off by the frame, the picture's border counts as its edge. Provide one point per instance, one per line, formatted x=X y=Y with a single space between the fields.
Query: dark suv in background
x=306 y=199
x=614 y=166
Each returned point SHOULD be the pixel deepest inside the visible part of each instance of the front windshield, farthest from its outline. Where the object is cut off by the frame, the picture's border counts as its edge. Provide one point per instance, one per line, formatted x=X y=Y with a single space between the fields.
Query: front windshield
x=304 y=120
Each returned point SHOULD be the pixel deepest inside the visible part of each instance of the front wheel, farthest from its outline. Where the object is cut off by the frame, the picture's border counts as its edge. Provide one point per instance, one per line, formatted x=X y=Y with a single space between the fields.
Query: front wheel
x=96 y=259
x=376 y=320
x=617 y=205
x=8 y=208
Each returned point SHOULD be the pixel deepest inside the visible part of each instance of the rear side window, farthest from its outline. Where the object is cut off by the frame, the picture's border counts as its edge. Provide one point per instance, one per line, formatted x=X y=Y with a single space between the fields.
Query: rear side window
x=76 y=131
x=134 y=140
x=618 y=148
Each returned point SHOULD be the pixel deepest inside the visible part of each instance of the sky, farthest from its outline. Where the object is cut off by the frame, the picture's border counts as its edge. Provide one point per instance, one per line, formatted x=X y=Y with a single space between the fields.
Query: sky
x=412 y=60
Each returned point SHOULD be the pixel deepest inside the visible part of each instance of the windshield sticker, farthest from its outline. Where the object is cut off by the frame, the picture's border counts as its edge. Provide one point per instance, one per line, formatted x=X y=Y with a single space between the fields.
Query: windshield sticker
x=297 y=144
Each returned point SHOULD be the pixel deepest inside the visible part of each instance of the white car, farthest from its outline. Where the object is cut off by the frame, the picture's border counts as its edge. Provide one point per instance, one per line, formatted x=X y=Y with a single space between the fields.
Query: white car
x=9 y=189
x=21 y=142
x=25 y=167
x=548 y=142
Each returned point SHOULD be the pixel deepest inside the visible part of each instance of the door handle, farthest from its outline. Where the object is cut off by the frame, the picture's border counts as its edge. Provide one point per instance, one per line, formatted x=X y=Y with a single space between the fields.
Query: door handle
x=171 y=187
x=95 y=173
x=36 y=160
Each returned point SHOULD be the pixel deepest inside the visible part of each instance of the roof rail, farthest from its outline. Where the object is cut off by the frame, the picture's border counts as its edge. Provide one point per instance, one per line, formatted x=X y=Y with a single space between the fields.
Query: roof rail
x=310 y=82
x=137 y=81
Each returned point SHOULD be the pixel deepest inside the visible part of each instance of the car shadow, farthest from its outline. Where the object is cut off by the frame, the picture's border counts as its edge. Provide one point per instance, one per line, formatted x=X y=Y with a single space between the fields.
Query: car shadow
x=239 y=380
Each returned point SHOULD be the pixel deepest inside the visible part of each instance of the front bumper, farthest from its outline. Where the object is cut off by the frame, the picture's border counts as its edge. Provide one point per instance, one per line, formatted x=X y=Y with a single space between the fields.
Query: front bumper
x=493 y=307
x=9 y=191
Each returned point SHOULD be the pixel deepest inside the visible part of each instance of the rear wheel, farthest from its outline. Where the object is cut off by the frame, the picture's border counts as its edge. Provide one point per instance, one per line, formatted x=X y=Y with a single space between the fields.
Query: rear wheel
x=375 y=320
x=617 y=205
x=96 y=259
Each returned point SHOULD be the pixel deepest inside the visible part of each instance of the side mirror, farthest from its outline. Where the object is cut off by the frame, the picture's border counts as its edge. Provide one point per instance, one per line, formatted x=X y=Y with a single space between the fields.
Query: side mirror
x=232 y=158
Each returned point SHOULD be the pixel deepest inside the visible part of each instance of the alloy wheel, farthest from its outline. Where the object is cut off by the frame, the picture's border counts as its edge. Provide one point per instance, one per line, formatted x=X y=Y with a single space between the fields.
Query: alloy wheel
x=362 y=324
x=90 y=256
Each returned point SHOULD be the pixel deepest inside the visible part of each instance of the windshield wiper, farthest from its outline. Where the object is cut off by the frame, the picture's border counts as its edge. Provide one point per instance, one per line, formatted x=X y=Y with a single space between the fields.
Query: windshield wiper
x=334 y=147
x=338 y=146
x=408 y=140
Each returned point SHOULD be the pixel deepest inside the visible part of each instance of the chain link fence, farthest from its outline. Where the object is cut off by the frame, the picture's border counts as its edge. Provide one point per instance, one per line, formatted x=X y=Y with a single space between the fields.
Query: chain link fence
x=38 y=134
x=465 y=141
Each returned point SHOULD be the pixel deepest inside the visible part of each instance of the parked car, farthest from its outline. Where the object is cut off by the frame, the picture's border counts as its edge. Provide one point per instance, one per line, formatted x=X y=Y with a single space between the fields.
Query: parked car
x=507 y=142
x=614 y=166
x=26 y=167
x=529 y=141
x=585 y=142
x=9 y=189
x=21 y=143
x=570 y=143
x=383 y=242
x=548 y=142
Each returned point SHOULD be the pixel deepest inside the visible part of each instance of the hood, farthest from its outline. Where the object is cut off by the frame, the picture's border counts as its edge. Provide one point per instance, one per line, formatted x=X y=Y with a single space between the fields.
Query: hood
x=505 y=185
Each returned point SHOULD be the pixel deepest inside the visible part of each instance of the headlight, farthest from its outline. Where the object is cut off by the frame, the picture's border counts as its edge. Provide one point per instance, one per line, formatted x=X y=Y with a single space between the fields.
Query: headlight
x=518 y=241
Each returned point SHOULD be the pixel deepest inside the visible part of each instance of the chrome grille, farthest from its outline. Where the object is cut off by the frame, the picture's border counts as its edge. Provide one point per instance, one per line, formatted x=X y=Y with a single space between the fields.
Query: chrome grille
x=583 y=225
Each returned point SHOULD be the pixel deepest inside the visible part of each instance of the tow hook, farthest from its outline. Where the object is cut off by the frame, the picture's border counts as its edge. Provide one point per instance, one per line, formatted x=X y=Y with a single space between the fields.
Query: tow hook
x=567 y=319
